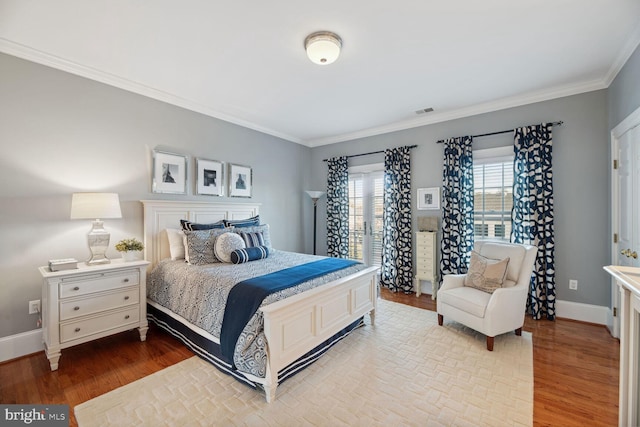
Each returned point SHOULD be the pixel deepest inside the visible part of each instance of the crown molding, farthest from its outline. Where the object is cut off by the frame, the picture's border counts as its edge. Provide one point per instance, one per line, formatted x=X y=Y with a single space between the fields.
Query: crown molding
x=487 y=107
x=33 y=55
x=623 y=56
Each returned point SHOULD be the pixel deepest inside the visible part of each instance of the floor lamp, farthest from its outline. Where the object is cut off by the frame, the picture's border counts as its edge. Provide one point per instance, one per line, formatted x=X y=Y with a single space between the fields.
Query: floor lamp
x=315 y=195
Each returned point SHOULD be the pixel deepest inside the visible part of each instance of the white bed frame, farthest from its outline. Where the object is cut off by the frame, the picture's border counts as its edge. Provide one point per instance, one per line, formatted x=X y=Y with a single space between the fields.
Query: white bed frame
x=292 y=326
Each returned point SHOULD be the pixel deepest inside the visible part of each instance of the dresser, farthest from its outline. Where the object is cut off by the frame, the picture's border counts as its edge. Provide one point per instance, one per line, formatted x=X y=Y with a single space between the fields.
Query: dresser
x=628 y=282
x=426 y=266
x=91 y=302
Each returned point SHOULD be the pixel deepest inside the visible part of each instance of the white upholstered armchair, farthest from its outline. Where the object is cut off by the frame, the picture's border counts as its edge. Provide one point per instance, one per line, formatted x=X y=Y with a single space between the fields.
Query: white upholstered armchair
x=490 y=312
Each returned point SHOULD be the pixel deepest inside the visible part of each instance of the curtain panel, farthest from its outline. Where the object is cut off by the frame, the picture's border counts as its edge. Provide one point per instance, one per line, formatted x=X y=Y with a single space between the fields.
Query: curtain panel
x=396 y=271
x=532 y=214
x=457 y=206
x=338 y=207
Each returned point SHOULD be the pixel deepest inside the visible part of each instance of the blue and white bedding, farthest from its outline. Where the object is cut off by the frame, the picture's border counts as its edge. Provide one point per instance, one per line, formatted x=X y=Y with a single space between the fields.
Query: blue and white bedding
x=199 y=295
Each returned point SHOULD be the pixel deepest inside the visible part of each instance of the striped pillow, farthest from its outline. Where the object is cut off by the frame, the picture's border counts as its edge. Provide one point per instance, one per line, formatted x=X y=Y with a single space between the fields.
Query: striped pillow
x=252 y=239
x=188 y=225
x=240 y=256
x=239 y=223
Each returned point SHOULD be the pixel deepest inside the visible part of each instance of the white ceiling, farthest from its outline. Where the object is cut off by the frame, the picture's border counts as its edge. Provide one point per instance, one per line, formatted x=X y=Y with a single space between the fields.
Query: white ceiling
x=244 y=61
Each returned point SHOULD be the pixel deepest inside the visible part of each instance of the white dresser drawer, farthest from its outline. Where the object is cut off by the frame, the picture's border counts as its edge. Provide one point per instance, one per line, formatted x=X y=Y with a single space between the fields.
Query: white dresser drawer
x=88 y=326
x=71 y=308
x=90 y=283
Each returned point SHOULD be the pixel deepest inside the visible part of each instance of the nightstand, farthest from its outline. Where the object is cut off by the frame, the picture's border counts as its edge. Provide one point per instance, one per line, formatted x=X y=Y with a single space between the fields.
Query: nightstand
x=426 y=255
x=91 y=302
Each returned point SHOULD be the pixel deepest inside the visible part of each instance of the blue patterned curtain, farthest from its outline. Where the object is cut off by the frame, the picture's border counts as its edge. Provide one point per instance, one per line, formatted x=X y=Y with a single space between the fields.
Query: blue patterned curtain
x=338 y=208
x=532 y=213
x=396 y=272
x=457 y=206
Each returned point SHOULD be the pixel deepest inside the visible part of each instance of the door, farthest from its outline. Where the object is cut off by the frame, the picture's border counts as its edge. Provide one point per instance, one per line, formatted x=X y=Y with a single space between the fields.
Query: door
x=625 y=181
x=366 y=185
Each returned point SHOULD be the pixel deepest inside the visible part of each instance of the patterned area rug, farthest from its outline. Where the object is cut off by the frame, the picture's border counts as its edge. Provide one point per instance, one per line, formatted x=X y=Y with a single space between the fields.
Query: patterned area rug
x=405 y=370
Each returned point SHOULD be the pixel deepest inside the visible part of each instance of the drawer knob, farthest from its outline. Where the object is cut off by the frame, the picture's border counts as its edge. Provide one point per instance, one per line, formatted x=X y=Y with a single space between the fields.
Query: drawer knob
x=77 y=329
x=126 y=298
x=126 y=280
x=126 y=317
x=76 y=308
x=76 y=288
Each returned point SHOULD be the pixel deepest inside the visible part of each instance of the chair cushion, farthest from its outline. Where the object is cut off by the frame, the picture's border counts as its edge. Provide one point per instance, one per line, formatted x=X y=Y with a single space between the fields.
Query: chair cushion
x=486 y=274
x=470 y=300
x=515 y=253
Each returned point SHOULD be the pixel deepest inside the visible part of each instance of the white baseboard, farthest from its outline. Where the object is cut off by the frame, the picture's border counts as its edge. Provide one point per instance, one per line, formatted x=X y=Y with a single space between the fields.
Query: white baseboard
x=583 y=312
x=21 y=344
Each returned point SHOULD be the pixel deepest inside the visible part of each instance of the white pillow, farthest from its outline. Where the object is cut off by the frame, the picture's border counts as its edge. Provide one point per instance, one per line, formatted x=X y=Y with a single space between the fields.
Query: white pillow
x=226 y=244
x=176 y=243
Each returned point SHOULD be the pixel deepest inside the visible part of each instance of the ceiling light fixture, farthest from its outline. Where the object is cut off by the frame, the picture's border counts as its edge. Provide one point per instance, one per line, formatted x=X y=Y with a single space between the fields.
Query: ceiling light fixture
x=323 y=47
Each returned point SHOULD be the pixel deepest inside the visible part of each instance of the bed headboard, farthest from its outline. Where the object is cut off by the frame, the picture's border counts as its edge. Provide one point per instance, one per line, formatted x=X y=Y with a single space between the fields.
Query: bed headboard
x=162 y=214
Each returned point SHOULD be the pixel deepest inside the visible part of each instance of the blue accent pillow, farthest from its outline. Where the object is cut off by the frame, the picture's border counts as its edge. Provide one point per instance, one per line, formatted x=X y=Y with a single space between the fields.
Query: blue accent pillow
x=240 y=223
x=240 y=256
x=191 y=226
x=252 y=239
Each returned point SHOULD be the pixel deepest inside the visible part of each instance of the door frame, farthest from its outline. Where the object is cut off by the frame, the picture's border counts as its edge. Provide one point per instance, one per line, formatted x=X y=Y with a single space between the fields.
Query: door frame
x=630 y=122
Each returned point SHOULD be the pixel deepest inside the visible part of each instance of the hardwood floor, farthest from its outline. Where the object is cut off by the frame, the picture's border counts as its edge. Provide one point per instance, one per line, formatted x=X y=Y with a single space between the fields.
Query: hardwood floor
x=575 y=369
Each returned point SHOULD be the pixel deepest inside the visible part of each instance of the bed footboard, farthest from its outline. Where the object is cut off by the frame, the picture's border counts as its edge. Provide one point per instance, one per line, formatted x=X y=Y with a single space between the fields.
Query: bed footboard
x=298 y=324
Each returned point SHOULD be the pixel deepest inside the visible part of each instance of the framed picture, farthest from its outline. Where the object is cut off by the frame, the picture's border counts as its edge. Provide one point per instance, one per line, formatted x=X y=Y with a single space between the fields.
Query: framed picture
x=169 y=173
x=239 y=181
x=429 y=198
x=209 y=177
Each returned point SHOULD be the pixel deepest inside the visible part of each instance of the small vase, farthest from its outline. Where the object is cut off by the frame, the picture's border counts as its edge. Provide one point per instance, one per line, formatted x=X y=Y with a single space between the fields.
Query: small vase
x=130 y=255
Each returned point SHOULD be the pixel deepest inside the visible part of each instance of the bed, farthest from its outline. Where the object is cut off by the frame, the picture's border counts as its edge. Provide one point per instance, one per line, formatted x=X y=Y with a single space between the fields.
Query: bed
x=291 y=329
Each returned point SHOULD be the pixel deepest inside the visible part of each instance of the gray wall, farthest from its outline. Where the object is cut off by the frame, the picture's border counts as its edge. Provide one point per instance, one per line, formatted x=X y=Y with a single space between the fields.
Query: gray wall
x=580 y=165
x=60 y=133
x=624 y=91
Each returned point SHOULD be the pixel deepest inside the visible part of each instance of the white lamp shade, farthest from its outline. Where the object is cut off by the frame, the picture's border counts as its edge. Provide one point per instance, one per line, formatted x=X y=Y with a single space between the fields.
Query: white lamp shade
x=323 y=47
x=95 y=206
x=315 y=194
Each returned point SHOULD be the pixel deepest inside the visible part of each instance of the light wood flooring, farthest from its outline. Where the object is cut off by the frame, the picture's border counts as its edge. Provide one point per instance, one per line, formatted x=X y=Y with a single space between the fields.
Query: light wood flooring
x=575 y=369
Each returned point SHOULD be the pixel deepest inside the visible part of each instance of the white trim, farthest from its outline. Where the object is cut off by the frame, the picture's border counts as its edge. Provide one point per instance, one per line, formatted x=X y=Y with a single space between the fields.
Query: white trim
x=373 y=167
x=493 y=155
x=583 y=312
x=19 y=345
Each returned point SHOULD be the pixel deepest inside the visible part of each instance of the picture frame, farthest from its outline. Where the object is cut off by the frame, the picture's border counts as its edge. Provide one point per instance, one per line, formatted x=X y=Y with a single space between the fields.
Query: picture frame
x=240 y=180
x=169 y=172
x=429 y=198
x=209 y=177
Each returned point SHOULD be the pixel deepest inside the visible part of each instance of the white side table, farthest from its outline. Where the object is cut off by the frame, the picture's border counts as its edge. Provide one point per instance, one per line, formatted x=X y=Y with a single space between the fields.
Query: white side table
x=92 y=302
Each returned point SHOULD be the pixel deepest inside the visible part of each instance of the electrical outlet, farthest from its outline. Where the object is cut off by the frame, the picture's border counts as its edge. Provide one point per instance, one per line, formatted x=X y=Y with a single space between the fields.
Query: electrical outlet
x=573 y=284
x=34 y=306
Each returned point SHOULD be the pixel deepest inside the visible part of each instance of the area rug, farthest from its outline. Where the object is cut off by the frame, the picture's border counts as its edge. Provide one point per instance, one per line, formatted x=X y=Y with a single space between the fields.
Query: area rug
x=404 y=370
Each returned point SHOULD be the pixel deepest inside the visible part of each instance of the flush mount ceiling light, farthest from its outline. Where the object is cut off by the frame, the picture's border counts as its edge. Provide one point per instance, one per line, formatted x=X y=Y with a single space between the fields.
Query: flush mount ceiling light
x=323 y=47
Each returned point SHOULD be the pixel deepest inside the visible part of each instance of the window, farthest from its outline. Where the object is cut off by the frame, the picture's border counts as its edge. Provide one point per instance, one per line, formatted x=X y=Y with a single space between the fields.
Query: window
x=493 y=193
x=366 y=193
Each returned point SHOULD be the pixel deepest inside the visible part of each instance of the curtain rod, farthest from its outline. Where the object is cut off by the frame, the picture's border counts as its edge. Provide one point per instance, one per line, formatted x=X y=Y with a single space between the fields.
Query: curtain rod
x=372 y=152
x=559 y=123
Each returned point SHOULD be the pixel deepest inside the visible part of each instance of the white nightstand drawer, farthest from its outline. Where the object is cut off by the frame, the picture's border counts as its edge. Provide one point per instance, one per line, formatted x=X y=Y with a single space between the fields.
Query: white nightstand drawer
x=81 y=285
x=424 y=272
x=93 y=325
x=94 y=304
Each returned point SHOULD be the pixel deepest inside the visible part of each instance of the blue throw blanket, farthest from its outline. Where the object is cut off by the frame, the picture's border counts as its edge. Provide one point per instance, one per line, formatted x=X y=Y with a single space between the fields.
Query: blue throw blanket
x=246 y=296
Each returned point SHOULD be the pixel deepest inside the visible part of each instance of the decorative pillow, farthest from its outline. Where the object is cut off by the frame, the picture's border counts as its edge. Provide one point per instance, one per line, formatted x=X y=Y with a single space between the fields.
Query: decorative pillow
x=486 y=274
x=263 y=228
x=176 y=243
x=200 y=245
x=253 y=239
x=241 y=223
x=188 y=225
x=240 y=256
x=226 y=244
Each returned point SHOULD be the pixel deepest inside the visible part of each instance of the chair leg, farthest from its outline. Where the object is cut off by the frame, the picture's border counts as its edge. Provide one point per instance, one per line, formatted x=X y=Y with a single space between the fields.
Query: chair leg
x=440 y=319
x=490 y=343
x=519 y=331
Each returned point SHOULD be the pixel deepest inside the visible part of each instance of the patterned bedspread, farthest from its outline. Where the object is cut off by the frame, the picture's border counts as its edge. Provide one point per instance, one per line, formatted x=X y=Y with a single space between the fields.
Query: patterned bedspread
x=199 y=294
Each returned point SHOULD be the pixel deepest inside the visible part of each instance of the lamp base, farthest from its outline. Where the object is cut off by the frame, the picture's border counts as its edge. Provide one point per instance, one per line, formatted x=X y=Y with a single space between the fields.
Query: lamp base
x=98 y=240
